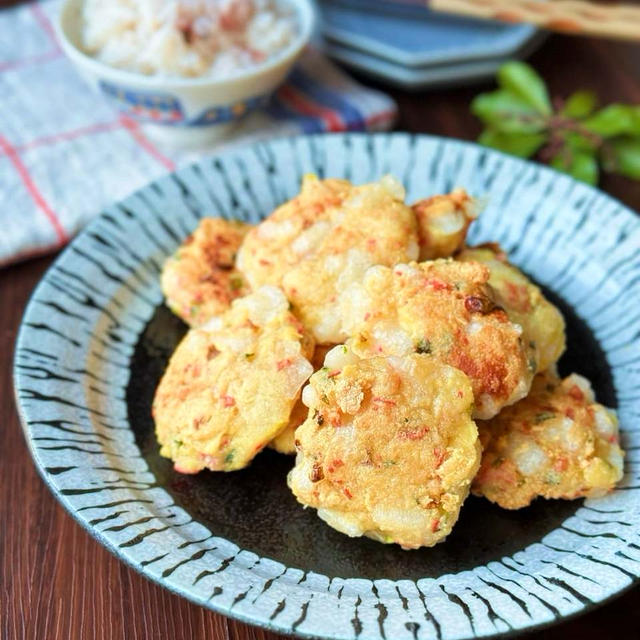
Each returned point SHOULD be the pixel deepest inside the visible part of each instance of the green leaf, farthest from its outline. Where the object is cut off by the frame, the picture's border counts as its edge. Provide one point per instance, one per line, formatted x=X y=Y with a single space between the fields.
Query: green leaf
x=626 y=156
x=522 y=80
x=523 y=145
x=579 y=164
x=580 y=142
x=504 y=111
x=580 y=104
x=615 y=120
x=585 y=167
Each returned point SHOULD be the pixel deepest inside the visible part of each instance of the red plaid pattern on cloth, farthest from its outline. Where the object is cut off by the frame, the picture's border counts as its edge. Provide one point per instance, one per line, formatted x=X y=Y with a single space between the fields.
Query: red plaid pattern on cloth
x=65 y=153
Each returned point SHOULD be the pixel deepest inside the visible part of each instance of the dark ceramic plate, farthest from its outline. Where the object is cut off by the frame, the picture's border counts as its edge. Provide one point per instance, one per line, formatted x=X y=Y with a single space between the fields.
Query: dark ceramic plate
x=96 y=337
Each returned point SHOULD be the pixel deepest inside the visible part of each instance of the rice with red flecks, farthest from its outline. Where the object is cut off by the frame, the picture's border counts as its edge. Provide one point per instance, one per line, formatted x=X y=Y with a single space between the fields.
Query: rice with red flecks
x=186 y=37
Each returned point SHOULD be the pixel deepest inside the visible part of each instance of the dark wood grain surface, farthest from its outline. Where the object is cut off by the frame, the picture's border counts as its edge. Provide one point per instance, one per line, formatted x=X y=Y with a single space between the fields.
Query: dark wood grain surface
x=57 y=582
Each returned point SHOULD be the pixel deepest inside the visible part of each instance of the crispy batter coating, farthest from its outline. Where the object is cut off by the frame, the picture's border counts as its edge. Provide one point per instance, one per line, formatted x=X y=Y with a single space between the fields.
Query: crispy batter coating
x=200 y=280
x=271 y=248
x=444 y=308
x=230 y=386
x=389 y=448
x=541 y=322
x=285 y=442
x=323 y=240
x=443 y=221
x=556 y=443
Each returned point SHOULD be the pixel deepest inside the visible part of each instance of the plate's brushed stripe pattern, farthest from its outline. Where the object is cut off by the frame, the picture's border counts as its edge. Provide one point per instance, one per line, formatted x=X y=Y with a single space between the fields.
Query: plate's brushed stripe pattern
x=85 y=318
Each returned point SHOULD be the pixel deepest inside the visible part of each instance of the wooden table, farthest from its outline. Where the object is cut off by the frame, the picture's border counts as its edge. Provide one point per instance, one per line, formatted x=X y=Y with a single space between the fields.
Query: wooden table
x=57 y=582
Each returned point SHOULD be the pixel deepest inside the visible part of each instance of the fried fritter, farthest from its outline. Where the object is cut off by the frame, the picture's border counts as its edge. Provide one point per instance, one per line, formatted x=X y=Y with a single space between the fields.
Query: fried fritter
x=230 y=386
x=200 y=280
x=389 y=448
x=541 y=322
x=292 y=231
x=323 y=240
x=556 y=443
x=285 y=442
x=444 y=308
x=443 y=221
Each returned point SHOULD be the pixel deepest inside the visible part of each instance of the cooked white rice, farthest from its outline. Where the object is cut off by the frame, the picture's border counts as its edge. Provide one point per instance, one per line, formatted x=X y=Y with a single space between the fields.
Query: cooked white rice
x=186 y=37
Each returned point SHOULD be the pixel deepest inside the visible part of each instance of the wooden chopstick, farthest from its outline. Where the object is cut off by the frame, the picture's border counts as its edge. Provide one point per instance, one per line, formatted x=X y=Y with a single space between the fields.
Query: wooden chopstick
x=569 y=16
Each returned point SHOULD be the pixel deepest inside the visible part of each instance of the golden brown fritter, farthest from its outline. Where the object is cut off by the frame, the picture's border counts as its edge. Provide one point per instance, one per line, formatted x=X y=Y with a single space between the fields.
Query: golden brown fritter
x=443 y=221
x=444 y=308
x=200 y=280
x=389 y=448
x=284 y=238
x=541 y=322
x=230 y=386
x=556 y=443
x=319 y=243
x=285 y=442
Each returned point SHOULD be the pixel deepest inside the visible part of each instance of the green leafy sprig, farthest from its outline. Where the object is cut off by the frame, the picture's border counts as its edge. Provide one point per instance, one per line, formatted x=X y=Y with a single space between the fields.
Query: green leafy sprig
x=572 y=135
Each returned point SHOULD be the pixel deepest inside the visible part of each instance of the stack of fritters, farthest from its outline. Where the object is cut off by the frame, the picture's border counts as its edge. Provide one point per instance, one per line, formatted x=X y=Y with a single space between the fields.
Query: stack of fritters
x=406 y=356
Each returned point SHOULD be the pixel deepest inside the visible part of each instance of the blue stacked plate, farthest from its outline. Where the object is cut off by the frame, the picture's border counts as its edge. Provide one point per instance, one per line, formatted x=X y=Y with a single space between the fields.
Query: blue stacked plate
x=414 y=47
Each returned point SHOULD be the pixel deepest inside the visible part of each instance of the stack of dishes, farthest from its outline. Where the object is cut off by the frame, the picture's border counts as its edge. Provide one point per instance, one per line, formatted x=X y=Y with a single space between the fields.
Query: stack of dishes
x=411 y=46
